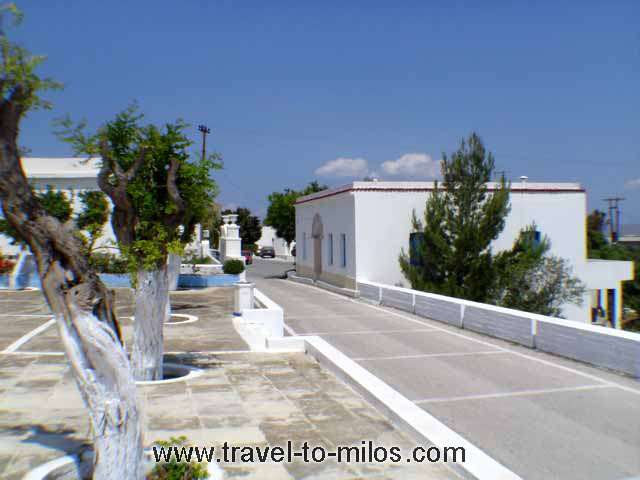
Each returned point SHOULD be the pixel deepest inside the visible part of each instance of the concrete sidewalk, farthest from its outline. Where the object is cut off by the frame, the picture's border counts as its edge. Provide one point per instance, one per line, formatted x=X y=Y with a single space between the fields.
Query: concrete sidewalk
x=541 y=416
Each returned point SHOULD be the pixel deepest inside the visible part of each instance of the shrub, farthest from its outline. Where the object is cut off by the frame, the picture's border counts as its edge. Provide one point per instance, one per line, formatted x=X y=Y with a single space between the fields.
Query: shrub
x=108 y=263
x=233 y=267
x=195 y=260
x=174 y=470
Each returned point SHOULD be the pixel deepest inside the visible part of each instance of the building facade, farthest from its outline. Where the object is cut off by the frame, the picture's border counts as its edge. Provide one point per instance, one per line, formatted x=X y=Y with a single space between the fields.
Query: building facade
x=71 y=175
x=357 y=232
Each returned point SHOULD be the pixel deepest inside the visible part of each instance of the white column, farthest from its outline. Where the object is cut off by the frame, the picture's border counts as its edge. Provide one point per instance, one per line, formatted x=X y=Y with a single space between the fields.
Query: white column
x=242 y=297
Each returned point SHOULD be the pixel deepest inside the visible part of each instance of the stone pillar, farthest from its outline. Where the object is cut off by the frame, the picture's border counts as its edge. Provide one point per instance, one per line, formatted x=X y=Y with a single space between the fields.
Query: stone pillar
x=230 y=242
x=242 y=297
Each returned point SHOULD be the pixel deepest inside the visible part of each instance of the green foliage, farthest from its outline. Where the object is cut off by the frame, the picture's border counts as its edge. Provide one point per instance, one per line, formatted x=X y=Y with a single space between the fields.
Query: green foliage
x=195 y=260
x=599 y=247
x=55 y=203
x=108 y=263
x=531 y=280
x=233 y=267
x=157 y=225
x=595 y=236
x=250 y=228
x=19 y=80
x=94 y=216
x=461 y=220
x=281 y=213
x=174 y=470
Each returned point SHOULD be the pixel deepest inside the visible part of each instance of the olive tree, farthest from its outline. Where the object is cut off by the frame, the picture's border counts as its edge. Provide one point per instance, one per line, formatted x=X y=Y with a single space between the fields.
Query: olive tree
x=158 y=197
x=82 y=305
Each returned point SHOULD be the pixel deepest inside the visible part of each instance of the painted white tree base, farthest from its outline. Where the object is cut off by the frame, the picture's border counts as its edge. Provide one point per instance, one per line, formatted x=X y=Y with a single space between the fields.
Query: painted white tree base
x=43 y=471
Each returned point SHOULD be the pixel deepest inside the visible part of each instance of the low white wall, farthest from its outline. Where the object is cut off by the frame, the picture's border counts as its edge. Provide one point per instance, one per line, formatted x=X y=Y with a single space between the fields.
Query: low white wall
x=600 y=346
x=266 y=315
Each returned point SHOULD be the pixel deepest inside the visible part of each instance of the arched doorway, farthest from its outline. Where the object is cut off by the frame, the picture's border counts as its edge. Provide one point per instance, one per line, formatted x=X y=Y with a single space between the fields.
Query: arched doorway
x=316 y=234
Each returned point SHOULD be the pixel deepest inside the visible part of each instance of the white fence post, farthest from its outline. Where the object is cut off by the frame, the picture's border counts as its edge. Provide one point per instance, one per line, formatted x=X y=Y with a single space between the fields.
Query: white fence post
x=242 y=297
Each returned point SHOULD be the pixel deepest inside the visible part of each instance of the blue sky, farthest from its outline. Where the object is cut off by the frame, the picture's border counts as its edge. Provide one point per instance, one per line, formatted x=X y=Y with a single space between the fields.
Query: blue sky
x=289 y=87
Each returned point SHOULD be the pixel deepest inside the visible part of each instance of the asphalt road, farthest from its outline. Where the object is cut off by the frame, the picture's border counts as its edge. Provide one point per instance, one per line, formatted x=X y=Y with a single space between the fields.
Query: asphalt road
x=541 y=416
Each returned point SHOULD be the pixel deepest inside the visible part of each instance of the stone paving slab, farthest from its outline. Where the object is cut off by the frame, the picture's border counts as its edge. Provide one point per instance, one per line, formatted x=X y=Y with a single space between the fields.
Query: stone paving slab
x=252 y=399
x=212 y=331
x=242 y=398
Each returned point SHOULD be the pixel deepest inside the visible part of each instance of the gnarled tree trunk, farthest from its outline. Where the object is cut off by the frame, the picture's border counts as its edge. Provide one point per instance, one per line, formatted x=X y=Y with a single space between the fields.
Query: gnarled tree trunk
x=151 y=312
x=109 y=391
x=83 y=308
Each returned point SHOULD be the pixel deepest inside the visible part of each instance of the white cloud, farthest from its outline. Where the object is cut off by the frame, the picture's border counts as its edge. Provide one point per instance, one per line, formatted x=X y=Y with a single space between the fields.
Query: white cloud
x=415 y=164
x=632 y=184
x=344 y=167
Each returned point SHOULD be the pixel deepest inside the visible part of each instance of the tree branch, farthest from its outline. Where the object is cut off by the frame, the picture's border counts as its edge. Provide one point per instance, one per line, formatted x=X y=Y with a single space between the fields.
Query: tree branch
x=172 y=188
x=133 y=169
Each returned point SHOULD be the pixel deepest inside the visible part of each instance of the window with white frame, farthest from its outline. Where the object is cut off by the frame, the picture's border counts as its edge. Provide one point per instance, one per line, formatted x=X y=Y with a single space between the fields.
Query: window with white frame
x=330 y=248
x=343 y=249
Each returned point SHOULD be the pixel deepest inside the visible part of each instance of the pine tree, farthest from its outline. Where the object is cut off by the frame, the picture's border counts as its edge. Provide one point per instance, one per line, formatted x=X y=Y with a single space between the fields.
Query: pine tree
x=452 y=255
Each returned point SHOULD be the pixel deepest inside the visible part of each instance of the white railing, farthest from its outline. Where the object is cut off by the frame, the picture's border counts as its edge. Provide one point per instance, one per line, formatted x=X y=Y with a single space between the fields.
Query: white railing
x=604 y=347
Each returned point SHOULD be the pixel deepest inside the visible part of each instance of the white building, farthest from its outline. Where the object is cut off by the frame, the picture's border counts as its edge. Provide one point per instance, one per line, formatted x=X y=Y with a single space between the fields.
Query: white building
x=270 y=238
x=71 y=175
x=357 y=231
x=74 y=175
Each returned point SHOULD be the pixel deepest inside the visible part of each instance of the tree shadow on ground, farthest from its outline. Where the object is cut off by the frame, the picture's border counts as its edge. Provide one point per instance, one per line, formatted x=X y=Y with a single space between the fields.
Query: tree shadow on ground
x=65 y=440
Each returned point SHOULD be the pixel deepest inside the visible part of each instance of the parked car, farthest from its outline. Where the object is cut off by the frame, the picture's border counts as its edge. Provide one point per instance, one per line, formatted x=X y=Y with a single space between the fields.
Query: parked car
x=248 y=257
x=268 y=252
x=293 y=251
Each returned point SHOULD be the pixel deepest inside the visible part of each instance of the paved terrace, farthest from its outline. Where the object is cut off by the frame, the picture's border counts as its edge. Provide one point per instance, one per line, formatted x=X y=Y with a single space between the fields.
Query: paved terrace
x=541 y=416
x=243 y=398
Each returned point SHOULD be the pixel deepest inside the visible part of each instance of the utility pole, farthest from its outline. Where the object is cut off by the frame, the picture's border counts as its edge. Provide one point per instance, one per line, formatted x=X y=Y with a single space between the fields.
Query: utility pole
x=614 y=229
x=205 y=131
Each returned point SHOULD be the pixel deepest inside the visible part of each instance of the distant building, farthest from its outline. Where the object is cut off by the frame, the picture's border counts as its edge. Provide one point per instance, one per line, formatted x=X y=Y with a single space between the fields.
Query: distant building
x=71 y=175
x=630 y=235
x=270 y=238
x=357 y=231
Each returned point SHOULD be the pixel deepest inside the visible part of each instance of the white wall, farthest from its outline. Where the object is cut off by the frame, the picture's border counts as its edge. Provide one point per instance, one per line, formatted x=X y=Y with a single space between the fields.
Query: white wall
x=72 y=187
x=383 y=225
x=337 y=213
x=270 y=238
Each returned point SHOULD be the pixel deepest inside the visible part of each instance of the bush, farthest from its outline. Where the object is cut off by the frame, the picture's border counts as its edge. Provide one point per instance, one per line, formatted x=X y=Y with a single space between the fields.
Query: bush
x=174 y=470
x=108 y=263
x=234 y=267
x=195 y=260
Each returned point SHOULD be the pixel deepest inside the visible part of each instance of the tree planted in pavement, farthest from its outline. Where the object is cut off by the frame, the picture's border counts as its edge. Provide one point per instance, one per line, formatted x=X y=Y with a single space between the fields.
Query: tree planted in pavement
x=82 y=305
x=158 y=196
